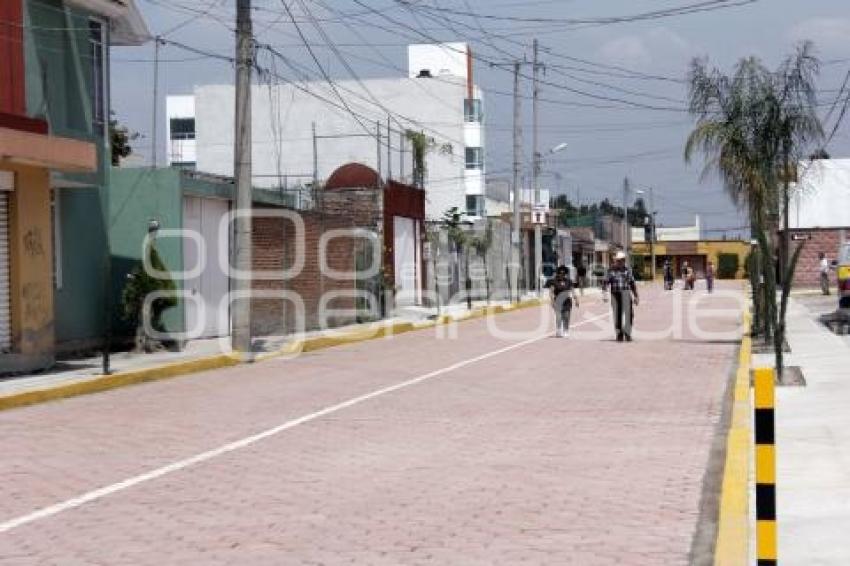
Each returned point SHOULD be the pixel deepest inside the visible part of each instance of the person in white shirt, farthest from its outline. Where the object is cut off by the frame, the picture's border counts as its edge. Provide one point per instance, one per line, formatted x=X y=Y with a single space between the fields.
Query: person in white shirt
x=824 y=274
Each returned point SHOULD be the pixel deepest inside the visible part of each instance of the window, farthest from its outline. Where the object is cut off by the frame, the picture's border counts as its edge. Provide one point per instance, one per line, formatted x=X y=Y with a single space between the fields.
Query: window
x=472 y=110
x=182 y=128
x=98 y=79
x=474 y=205
x=474 y=158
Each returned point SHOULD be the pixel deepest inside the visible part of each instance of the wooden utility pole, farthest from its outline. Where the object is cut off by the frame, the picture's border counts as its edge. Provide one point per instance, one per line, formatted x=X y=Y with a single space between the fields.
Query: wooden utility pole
x=535 y=172
x=241 y=306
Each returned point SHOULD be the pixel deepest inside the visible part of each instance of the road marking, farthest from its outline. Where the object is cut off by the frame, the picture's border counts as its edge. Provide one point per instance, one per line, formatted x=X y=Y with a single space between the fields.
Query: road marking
x=105 y=491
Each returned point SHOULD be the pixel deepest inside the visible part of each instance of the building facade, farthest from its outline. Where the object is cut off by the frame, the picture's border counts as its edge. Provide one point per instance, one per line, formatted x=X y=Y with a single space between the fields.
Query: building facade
x=302 y=131
x=54 y=163
x=819 y=215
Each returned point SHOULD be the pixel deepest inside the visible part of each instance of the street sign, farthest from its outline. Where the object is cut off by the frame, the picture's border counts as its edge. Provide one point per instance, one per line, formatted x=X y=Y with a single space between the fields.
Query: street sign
x=801 y=236
x=538 y=217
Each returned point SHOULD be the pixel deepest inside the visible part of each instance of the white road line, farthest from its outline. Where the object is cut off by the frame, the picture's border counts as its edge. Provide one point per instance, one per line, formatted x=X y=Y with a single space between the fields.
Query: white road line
x=105 y=491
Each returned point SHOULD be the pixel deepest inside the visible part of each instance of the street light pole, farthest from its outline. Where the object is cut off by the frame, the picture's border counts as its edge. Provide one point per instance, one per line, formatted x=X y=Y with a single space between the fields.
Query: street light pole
x=535 y=172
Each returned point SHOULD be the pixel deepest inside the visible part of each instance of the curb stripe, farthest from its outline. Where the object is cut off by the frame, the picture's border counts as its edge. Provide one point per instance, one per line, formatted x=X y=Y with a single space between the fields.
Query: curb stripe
x=765 y=457
x=98 y=384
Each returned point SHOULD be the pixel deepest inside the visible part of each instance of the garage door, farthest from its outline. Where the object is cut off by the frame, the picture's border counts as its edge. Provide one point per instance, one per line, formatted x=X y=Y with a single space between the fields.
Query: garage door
x=204 y=216
x=5 y=314
x=404 y=250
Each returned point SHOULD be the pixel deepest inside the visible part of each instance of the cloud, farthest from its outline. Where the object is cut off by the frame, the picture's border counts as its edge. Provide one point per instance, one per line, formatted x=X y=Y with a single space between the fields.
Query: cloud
x=658 y=45
x=830 y=34
x=627 y=51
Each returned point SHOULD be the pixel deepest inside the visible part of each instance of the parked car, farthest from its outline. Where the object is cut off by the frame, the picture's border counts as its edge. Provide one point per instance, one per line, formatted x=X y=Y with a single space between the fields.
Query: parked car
x=843 y=272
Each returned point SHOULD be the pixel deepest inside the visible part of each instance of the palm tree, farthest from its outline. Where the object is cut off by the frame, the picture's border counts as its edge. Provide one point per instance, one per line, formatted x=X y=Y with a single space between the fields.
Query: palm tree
x=752 y=127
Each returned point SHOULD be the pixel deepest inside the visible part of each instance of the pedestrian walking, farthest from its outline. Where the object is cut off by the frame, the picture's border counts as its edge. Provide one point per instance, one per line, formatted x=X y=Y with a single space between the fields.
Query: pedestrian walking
x=581 y=271
x=688 y=276
x=624 y=296
x=824 y=273
x=668 y=276
x=563 y=296
x=709 y=277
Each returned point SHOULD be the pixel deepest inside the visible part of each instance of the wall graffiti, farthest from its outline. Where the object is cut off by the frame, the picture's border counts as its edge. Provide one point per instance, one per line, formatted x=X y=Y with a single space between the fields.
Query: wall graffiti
x=33 y=242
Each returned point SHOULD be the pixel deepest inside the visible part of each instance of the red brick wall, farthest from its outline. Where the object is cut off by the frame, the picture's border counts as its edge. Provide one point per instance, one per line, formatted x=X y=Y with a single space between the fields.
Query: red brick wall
x=274 y=249
x=808 y=266
x=12 y=81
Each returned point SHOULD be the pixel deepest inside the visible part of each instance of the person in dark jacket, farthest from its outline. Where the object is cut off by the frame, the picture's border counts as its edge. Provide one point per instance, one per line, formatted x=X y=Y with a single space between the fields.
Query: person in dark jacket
x=563 y=296
x=624 y=296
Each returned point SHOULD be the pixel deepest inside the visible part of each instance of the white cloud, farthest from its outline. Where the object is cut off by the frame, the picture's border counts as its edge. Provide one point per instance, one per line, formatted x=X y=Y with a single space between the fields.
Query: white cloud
x=627 y=51
x=829 y=34
x=658 y=45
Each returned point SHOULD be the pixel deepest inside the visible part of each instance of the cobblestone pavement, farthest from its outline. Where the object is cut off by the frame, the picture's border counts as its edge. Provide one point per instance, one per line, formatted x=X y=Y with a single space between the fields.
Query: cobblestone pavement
x=520 y=449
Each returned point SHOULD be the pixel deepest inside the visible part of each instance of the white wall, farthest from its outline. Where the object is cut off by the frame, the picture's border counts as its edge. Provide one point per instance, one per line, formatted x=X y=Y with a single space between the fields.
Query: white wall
x=821 y=199
x=286 y=149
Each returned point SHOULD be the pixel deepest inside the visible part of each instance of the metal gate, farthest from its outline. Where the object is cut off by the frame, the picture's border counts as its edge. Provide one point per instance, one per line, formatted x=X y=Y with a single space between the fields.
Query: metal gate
x=5 y=292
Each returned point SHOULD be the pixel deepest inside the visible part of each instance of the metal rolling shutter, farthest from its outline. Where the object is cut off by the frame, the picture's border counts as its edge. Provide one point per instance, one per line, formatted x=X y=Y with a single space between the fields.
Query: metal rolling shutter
x=5 y=312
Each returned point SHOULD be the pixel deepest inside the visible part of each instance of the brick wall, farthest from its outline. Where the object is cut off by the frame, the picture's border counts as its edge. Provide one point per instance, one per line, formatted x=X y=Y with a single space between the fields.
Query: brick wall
x=274 y=249
x=825 y=240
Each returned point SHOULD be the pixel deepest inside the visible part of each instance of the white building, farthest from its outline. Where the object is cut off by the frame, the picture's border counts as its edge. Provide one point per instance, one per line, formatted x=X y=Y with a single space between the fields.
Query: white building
x=821 y=198
x=180 y=116
x=302 y=130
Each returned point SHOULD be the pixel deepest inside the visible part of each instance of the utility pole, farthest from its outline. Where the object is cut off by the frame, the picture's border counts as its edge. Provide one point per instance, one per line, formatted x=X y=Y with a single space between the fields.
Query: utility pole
x=626 y=219
x=535 y=172
x=241 y=337
x=515 y=233
x=389 y=150
x=154 y=134
x=652 y=230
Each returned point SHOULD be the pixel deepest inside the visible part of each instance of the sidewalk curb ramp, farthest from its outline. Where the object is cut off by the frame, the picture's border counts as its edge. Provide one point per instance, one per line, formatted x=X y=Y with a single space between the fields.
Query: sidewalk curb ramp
x=733 y=530
x=332 y=339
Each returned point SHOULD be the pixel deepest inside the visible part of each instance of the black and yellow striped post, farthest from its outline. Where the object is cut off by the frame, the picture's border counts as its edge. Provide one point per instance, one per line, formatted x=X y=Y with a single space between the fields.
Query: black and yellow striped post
x=765 y=468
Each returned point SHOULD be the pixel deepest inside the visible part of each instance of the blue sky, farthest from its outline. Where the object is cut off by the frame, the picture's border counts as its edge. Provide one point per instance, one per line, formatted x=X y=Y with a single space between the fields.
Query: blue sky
x=638 y=62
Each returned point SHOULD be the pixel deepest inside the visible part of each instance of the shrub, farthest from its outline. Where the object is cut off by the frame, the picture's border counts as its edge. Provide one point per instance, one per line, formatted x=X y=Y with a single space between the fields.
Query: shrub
x=727 y=266
x=139 y=285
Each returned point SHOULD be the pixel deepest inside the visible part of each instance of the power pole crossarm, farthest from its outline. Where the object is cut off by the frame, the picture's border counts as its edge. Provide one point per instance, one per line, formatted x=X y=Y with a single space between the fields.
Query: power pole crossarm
x=241 y=333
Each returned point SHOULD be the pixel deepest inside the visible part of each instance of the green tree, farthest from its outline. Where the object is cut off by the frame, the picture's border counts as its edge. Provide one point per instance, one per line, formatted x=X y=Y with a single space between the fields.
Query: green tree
x=751 y=128
x=452 y=223
x=482 y=244
x=421 y=145
x=120 y=138
x=140 y=284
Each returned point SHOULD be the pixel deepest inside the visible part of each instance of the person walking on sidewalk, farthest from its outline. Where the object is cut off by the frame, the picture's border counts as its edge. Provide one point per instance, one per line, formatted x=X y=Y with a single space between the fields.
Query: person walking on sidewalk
x=563 y=296
x=824 y=273
x=624 y=296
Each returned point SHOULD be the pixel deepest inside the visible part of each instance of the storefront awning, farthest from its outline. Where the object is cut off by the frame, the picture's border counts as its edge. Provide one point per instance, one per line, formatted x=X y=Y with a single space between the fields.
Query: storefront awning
x=18 y=147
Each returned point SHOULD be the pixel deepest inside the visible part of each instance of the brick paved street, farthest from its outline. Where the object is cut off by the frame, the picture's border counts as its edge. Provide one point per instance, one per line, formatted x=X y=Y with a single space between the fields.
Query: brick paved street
x=514 y=450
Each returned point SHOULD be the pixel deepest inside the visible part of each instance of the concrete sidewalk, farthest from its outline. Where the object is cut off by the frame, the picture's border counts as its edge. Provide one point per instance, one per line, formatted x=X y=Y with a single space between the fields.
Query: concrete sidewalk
x=813 y=440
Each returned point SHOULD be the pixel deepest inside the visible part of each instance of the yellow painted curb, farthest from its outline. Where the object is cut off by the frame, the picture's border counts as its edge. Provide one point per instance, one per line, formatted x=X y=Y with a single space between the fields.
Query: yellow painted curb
x=733 y=531
x=115 y=380
x=98 y=384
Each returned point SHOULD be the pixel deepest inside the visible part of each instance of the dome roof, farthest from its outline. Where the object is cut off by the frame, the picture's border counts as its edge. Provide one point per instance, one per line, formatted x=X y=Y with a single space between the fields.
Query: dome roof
x=353 y=175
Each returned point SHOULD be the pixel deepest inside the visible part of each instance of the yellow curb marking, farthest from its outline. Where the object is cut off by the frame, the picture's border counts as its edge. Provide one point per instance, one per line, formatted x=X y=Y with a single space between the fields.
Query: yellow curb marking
x=176 y=369
x=733 y=530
